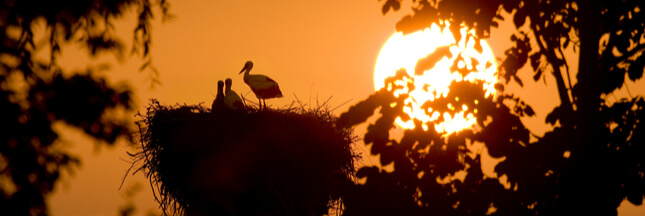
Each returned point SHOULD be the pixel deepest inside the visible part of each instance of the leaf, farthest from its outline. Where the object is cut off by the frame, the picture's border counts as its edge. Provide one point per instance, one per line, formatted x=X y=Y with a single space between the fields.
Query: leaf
x=518 y=80
x=635 y=70
x=529 y=111
x=553 y=117
x=394 y=4
x=367 y=171
x=364 y=109
x=538 y=74
x=535 y=60
x=520 y=18
x=499 y=87
x=386 y=7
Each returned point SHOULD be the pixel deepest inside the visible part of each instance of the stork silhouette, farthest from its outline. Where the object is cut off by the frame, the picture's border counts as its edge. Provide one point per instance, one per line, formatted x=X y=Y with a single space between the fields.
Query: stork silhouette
x=231 y=99
x=262 y=86
x=218 y=103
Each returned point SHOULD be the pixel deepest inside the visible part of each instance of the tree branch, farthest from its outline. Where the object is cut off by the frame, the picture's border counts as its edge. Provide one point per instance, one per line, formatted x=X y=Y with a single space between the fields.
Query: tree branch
x=566 y=66
x=553 y=60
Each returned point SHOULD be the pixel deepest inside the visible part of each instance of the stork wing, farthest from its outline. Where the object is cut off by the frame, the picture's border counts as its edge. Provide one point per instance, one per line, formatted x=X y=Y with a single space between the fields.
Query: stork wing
x=270 y=80
x=261 y=82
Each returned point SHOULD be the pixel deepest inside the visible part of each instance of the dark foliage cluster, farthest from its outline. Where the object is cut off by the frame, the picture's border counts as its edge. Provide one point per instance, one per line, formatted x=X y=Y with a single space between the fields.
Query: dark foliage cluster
x=35 y=94
x=589 y=162
x=422 y=159
x=292 y=161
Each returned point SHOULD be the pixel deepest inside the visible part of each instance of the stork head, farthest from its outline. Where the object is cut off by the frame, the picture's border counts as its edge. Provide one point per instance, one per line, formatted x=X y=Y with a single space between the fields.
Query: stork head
x=247 y=66
x=220 y=84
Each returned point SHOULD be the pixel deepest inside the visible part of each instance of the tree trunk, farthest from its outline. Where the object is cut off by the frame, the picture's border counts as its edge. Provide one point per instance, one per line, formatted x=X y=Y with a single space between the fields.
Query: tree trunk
x=589 y=193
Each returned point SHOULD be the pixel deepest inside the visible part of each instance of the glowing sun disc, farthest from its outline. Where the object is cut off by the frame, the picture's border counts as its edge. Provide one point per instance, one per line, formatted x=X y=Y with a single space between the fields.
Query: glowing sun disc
x=403 y=51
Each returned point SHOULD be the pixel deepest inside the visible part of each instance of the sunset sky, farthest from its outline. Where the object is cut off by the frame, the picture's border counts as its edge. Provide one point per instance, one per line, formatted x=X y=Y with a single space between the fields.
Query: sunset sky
x=314 y=49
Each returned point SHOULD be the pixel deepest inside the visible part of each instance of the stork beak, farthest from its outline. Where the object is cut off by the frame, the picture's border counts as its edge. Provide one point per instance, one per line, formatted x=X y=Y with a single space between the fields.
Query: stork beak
x=244 y=68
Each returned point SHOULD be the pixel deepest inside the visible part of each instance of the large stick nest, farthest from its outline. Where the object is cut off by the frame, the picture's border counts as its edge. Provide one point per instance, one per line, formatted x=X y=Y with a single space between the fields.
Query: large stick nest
x=292 y=161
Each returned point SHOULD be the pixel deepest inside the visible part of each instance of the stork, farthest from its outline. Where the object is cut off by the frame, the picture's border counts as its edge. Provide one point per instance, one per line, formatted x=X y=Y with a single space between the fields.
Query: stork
x=231 y=99
x=262 y=86
x=218 y=103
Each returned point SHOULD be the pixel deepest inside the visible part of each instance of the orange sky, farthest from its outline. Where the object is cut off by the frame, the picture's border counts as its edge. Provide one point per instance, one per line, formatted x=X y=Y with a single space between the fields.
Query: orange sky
x=314 y=49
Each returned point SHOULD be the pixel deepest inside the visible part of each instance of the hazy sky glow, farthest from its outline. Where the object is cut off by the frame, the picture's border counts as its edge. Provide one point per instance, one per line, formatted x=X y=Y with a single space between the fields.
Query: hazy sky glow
x=314 y=49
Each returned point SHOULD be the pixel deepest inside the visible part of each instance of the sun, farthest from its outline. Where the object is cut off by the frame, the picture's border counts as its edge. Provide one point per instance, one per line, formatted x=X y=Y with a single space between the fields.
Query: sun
x=403 y=51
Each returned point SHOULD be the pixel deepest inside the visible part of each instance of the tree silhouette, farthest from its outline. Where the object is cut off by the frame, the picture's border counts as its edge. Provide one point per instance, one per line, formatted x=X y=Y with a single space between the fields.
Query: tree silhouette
x=35 y=93
x=589 y=162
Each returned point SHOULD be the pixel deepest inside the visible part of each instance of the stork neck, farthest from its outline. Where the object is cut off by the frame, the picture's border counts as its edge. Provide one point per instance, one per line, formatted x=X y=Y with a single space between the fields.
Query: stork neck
x=246 y=74
x=220 y=91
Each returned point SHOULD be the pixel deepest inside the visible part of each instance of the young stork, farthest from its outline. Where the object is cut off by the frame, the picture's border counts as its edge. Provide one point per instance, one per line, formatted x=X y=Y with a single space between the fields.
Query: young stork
x=231 y=99
x=262 y=86
x=218 y=103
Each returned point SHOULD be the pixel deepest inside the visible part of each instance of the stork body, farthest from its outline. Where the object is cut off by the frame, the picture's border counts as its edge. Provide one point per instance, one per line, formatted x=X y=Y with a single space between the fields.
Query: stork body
x=262 y=86
x=218 y=103
x=231 y=99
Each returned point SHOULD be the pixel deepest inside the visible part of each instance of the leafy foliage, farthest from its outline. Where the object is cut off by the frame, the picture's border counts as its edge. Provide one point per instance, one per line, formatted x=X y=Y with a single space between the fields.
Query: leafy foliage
x=593 y=156
x=34 y=94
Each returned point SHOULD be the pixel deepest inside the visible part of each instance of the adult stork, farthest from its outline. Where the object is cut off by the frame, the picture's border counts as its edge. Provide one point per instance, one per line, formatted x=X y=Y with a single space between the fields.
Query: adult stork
x=231 y=99
x=218 y=103
x=262 y=86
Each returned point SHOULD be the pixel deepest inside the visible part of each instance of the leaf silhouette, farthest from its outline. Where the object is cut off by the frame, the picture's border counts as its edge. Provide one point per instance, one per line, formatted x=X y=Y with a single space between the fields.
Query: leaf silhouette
x=360 y=112
x=395 y=5
x=428 y=62
x=636 y=68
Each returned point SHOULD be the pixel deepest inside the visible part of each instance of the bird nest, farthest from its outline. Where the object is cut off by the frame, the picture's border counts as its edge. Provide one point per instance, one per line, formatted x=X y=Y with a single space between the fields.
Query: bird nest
x=292 y=161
